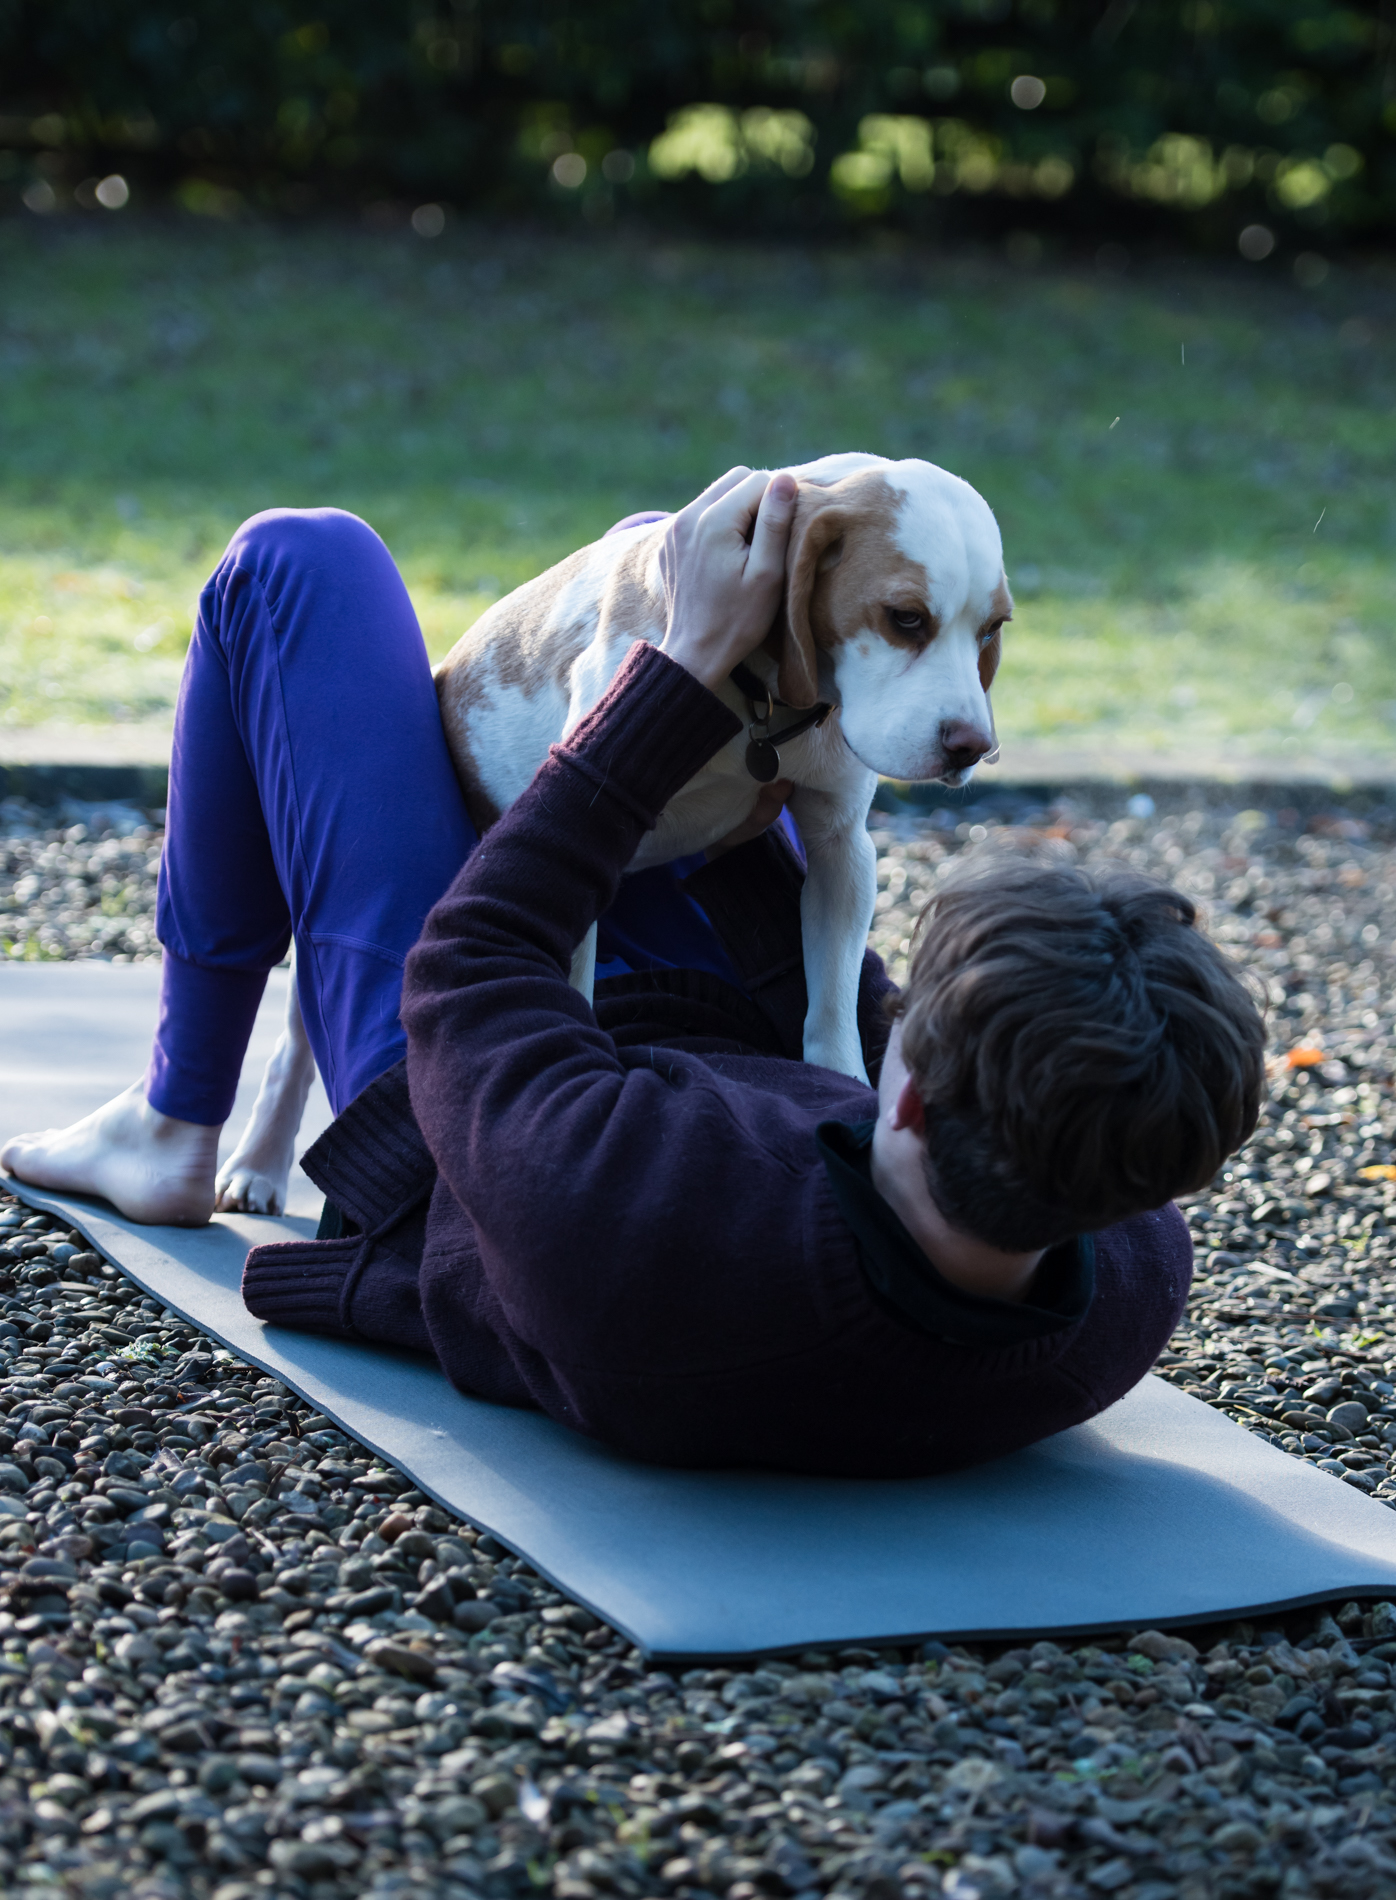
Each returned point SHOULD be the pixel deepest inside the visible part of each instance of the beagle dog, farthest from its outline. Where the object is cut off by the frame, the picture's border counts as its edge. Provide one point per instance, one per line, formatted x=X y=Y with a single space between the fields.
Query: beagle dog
x=880 y=663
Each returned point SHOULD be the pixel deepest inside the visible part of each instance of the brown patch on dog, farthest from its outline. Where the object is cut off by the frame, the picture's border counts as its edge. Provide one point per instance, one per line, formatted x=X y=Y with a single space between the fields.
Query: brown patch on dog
x=463 y=681
x=990 y=653
x=515 y=648
x=513 y=644
x=843 y=568
x=509 y=651
x=629 y=604
x=991 y=649
x=466 y=690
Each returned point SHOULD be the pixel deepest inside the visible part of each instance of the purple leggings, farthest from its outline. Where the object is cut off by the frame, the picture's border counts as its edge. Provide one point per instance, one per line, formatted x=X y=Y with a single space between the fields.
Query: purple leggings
x=312 y=795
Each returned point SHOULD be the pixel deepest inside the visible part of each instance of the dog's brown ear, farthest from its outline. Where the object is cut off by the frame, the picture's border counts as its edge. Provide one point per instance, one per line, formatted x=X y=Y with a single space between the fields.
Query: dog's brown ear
x=816 y=545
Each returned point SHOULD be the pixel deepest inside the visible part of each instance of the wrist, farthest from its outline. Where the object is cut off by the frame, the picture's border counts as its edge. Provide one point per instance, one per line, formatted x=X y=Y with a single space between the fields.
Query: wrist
x=708 y=668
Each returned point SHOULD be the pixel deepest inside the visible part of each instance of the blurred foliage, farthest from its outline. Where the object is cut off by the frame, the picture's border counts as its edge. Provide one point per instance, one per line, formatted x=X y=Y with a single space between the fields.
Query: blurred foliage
x=1122 y=120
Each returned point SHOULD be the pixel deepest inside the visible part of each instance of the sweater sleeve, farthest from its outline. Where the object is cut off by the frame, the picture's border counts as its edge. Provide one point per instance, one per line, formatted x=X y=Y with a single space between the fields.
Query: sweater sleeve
x=605 y=1193
x=544 y=872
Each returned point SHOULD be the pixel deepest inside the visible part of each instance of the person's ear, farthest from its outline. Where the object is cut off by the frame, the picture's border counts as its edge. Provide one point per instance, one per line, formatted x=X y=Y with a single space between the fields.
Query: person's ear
x=909 y=1111
x=816 y=546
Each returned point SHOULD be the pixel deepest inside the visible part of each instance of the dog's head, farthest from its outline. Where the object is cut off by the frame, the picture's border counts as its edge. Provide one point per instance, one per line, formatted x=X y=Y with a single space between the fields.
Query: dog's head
x=894 y=607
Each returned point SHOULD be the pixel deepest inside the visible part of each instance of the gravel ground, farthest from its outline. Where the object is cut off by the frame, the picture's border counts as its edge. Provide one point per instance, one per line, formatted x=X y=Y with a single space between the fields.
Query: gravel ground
x=240 y=1658
x=85 y=889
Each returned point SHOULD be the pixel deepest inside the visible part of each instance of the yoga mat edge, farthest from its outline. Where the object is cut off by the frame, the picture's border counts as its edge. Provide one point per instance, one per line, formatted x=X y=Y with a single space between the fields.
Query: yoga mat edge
x=596 y=1525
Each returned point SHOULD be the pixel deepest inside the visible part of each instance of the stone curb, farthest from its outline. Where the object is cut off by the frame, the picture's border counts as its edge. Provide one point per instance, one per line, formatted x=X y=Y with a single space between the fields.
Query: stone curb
x=46 y=786
x=146 y=785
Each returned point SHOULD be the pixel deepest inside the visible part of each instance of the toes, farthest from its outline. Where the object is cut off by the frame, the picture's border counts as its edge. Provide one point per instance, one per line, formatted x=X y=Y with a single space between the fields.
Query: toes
x=263 y=1196
x=231 y=1191
x=26 y=1158
x=230 y=1196
x=243 y=1192
x=254 y=1194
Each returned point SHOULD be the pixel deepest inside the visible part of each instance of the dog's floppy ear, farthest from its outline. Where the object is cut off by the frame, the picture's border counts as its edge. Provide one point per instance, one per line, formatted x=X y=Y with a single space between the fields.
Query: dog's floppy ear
x=816 y=545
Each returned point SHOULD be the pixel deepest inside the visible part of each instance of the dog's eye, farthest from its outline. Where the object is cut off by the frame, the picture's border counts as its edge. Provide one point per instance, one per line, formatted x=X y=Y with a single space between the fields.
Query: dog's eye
x=986 y=634
x=905 y=621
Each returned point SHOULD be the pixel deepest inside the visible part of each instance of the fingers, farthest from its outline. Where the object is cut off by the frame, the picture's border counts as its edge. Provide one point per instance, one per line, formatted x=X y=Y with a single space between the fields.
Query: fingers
x=759 y=508
x=714 y=492
x=725 y=483
x=771 y=535
x=734 y=511
x=723 y=564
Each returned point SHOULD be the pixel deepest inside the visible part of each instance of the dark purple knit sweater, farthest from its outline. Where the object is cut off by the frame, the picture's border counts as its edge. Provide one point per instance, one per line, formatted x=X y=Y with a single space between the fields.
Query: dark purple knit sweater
x=643 y=1241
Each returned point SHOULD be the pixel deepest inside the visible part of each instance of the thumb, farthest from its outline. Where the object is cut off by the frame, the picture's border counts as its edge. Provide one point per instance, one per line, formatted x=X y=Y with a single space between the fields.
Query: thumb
x=773 y=521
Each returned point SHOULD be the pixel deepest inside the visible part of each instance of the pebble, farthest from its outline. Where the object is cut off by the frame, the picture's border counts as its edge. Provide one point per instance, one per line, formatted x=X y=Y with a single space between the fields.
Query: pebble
x=239 y=1658
x=78 y=890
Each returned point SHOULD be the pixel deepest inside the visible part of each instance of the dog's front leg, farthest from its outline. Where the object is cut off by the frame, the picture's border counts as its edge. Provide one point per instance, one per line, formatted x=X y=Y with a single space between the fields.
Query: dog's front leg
x=583 y=976
x=836 y=908
x=255 y=1177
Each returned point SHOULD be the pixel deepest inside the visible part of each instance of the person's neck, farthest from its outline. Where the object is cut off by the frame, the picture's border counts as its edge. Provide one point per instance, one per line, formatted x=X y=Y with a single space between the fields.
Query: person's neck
x=899 y=1175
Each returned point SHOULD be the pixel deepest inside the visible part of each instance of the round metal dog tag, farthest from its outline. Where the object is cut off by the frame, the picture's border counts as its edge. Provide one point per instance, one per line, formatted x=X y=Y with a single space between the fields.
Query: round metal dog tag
x=762 y=760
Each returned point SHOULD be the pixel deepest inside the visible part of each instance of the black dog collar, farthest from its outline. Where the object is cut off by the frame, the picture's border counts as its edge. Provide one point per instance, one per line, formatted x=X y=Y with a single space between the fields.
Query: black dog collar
x=762 y=753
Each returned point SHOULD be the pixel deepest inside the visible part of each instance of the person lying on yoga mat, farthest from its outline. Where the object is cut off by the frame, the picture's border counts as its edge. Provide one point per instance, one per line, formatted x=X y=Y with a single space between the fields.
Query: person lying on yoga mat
x=649 y=1218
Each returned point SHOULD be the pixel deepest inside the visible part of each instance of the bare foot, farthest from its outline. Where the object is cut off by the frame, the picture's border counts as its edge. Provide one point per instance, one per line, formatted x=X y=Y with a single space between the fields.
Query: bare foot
x=148 y=1165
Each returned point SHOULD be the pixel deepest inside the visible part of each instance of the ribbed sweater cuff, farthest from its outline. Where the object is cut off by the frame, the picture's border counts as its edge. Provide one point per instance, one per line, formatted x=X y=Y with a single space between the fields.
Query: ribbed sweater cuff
x=300 y=1283
x=371 y=1160
x=655 y=727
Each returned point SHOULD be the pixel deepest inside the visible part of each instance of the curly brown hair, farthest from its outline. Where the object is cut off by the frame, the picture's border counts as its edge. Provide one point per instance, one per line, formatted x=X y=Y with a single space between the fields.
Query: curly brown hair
x=1083 y=1050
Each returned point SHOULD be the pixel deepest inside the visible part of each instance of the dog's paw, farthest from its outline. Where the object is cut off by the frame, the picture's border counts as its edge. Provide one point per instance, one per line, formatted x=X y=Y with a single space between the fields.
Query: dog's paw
x=843 y=1057
x=242 y=1190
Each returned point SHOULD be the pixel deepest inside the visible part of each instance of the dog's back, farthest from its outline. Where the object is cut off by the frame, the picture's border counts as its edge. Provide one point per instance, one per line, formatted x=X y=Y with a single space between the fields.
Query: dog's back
x=506 y=686
x=894 y=601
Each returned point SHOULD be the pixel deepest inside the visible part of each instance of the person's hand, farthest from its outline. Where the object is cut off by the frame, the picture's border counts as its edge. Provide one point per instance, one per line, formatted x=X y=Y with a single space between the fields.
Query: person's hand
x=723 y=562
x=771 y=801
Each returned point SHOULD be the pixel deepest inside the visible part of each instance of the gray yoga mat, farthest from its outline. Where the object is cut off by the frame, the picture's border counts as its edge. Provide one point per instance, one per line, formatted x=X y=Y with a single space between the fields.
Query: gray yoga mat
x=1159 y=1512
x=72 y=1035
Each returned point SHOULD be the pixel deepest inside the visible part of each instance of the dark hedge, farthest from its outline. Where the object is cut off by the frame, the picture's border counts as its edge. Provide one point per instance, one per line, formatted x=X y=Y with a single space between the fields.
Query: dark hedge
x=1128 y=118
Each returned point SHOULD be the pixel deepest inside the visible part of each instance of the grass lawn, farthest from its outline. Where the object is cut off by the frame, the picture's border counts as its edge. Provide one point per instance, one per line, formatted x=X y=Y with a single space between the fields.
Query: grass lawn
x=1211 y=572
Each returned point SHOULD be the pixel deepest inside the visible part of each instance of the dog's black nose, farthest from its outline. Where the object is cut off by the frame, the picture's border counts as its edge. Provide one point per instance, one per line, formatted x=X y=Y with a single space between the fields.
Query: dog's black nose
x=963 y=745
